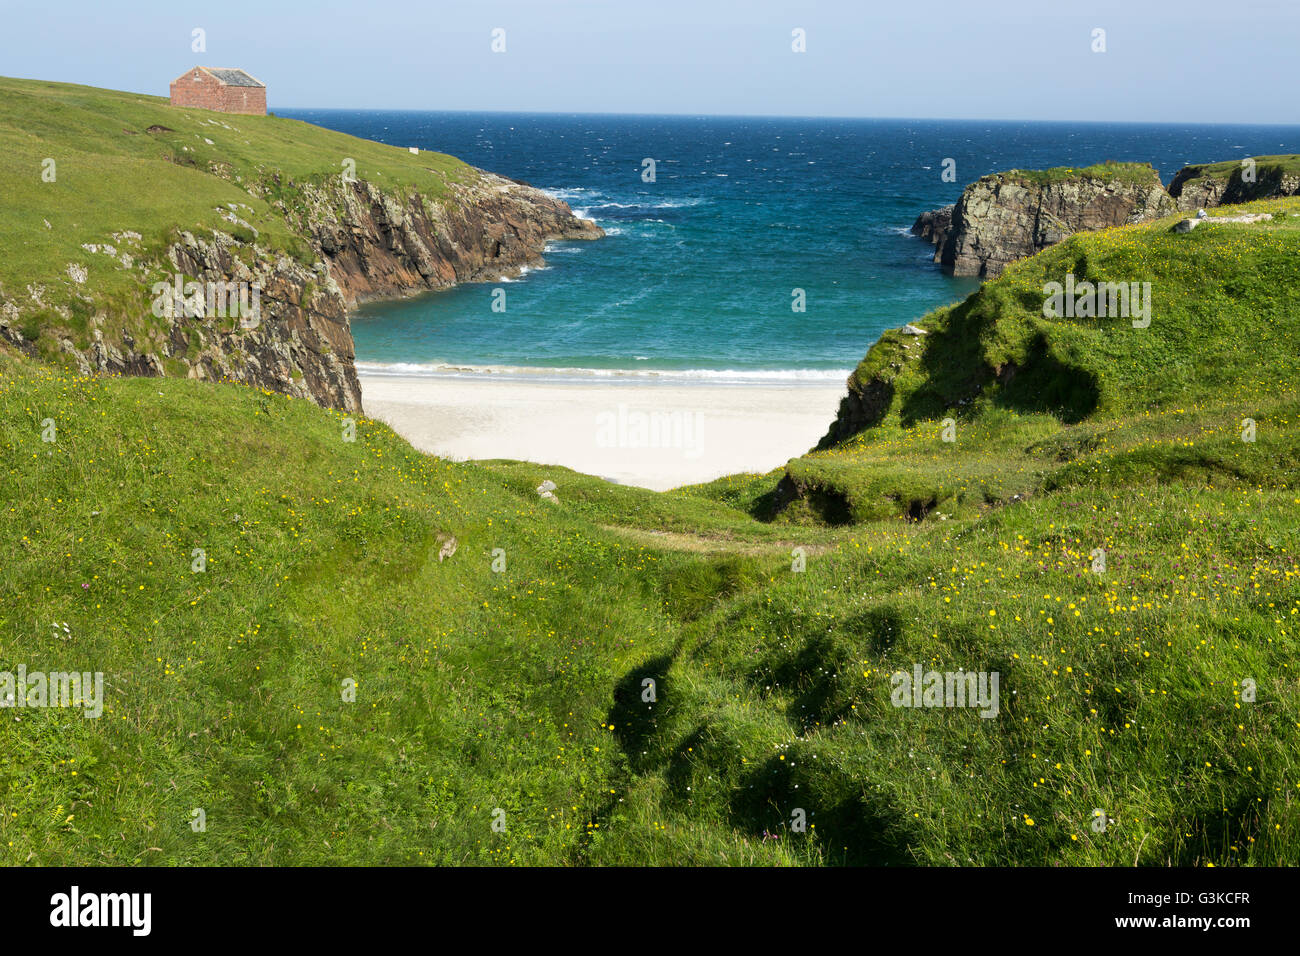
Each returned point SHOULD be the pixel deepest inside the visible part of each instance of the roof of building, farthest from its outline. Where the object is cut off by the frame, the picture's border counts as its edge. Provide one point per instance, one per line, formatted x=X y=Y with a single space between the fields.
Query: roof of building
x=232 y=77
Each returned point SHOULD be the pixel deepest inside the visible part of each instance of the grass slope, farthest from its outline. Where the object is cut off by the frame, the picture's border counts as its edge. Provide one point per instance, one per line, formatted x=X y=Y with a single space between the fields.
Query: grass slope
x=1159 y=692
x=1281 y=164
x=522 y=690
x=1133 y=173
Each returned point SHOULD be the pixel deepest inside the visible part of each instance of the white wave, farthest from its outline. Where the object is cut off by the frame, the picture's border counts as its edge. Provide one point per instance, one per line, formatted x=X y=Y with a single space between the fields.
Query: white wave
x=594 y=198
x=697 y=376
x=653 y=204
x=524 y=270
x=570 y=193
x=580 y=199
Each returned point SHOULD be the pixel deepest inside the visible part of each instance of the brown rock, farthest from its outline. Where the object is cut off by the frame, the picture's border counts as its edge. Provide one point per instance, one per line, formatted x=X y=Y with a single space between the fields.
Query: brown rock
x=1199 y=187
x=1007 y=216
x=933 y=226
x=368 y=245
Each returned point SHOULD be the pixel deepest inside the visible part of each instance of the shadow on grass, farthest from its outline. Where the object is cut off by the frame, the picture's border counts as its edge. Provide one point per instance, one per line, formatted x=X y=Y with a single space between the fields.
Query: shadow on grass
x=1045 y=384
x=850 y=826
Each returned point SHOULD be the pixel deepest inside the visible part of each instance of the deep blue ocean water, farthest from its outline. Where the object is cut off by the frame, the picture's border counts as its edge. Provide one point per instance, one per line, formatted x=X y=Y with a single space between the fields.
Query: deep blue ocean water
x=698 y=267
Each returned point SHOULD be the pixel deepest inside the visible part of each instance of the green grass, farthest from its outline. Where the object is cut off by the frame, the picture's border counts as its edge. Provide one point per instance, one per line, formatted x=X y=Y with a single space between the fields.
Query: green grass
x=199 y=171
x=475 y=691
x=522 y=688
x=1289 y=163
x=1135 y=173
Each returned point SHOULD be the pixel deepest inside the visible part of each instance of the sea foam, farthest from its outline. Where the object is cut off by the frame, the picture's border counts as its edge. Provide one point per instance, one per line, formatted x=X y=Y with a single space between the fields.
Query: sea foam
x=640 y=376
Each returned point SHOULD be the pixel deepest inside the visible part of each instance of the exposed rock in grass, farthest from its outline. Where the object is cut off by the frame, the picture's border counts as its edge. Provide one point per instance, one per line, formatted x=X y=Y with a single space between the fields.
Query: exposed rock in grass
x=1187 y=225
x=447 y=545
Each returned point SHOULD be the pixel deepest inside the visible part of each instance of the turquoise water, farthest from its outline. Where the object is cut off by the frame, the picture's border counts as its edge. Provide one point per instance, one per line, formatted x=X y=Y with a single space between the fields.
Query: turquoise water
x=696 y=276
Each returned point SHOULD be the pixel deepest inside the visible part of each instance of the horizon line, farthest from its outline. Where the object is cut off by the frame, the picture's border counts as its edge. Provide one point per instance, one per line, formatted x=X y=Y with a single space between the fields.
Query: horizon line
x=698 y=115
x=790 y=116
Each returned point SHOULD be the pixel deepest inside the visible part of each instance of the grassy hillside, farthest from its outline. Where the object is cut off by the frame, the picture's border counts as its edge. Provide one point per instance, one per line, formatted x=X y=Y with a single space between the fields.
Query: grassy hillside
x=1135 y=173
x=130 y=171
x=1287 y=163
x=1123 y=690
x=475 y=689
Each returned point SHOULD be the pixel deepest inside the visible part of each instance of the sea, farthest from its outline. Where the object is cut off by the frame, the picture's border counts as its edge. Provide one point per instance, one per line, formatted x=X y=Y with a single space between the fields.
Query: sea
x=751 y=250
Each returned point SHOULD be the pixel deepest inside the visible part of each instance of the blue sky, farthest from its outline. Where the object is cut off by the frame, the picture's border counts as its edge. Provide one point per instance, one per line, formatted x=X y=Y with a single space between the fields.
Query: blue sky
x=1185 y=61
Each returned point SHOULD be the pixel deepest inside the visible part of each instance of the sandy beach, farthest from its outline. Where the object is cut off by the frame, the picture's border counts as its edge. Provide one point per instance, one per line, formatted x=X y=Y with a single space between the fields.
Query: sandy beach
x=656 y=436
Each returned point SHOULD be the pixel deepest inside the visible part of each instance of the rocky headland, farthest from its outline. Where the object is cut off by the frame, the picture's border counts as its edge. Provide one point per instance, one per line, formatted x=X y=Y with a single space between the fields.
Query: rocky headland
x=1235 y=181
x=363 y=244
x=298 y=221
x=933 y=226
x=1008 y=216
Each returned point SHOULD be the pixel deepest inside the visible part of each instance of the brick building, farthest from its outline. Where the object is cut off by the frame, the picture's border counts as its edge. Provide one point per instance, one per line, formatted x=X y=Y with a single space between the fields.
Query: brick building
x=228 y=91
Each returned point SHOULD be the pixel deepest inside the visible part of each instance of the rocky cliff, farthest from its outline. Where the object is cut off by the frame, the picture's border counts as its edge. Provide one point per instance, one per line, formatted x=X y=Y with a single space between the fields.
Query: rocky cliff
x=302 y=344
x=933 y=226
x=871 y=386
x=1215 y=184
x=1007 y=216
x=378 y=246
x=358 y=242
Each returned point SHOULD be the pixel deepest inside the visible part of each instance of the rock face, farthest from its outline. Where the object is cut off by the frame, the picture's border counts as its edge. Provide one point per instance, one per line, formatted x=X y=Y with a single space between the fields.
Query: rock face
x=871 y=386
x=1205 y=186
x=1007 y=216
x=301 y=346
x=357 y=243
x=379 y=247
x=861 y=408
x=1195 y=192
x=933 y=226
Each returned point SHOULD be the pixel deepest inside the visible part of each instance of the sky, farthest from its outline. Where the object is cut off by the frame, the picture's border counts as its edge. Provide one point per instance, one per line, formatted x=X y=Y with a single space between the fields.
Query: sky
x=1163 y=61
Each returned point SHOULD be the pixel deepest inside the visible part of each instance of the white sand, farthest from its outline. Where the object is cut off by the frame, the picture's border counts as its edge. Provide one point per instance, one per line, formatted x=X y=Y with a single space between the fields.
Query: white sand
x=656 y=436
